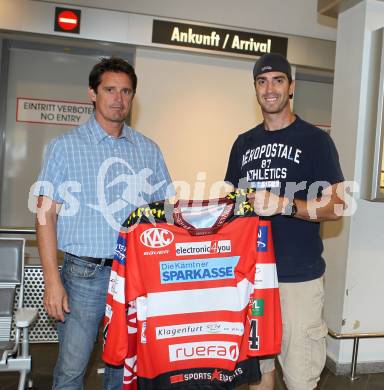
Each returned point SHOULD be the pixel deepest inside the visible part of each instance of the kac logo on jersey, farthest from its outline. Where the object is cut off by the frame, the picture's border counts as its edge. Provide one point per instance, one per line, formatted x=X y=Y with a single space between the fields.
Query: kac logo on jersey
x=262 y=239
x=156 y=237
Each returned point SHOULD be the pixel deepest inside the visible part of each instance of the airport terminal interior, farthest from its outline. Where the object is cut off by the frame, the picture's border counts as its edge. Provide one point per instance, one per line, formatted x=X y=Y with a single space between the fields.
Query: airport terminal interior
x=195 y=95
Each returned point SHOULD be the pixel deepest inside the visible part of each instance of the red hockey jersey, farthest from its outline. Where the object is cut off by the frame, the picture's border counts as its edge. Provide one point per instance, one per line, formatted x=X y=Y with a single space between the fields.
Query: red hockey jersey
x=193 y=296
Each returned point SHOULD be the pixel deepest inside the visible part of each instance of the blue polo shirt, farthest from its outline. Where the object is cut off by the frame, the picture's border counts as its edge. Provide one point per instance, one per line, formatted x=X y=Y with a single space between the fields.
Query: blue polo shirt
x=99 y=180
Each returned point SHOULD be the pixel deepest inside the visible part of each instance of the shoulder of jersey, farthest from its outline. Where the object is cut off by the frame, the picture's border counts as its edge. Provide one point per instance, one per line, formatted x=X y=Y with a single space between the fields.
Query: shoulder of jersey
x=242 y=207
x=153 y=212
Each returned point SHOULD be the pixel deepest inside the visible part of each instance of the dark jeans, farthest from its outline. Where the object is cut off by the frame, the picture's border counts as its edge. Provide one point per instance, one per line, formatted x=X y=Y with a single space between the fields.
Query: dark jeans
x=86 y=285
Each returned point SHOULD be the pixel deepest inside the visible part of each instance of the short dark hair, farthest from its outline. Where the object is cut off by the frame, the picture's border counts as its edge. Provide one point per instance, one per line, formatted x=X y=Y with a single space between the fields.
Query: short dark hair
x=112 y=64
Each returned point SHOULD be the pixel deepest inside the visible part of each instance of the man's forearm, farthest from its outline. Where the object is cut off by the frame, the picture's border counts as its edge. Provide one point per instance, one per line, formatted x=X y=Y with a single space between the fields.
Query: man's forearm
x=324 y=208
x=47 y=241
x=316 y=210
x=327 y=207
x=55 y=296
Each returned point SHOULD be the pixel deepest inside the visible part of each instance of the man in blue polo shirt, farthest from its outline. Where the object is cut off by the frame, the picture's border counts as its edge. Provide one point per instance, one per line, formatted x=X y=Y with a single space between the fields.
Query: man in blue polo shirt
x=92 y=178
x=295 y=168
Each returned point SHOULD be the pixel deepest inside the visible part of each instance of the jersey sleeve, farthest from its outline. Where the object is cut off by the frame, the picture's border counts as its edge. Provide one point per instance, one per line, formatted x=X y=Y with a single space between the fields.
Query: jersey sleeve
x=120 y=320
x=116 y=312
x=264 y=311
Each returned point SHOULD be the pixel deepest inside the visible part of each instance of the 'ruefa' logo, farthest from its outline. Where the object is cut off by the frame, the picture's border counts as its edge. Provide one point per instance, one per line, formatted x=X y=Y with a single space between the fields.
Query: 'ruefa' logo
x=156 y=237
x=204 y=350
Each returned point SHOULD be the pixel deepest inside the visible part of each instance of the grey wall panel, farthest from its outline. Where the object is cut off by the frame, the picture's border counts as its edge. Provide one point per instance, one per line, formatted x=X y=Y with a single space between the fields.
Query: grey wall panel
x=38 y=75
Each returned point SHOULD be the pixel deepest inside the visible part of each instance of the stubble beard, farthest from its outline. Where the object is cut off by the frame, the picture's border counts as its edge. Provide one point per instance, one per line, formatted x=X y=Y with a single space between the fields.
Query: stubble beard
x=265 y=108
x=116 y=116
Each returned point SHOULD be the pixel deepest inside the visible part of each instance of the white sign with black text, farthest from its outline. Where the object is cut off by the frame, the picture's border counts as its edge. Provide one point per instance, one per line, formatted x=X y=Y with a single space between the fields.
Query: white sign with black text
x=52 y=111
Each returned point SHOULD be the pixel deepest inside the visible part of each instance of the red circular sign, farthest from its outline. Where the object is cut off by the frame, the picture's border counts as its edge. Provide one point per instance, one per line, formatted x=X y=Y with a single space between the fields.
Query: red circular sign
x=67 y=20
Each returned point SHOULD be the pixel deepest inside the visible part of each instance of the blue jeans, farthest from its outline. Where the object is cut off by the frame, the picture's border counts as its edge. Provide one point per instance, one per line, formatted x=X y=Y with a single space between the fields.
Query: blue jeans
x=86 y=285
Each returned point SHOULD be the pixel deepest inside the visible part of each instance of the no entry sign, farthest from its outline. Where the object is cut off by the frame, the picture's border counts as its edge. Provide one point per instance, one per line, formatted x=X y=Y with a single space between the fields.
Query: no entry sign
x=67 y=20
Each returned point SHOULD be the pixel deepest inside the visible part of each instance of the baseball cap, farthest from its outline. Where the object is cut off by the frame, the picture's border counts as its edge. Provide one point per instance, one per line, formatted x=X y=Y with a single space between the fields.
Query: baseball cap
x=272 y=62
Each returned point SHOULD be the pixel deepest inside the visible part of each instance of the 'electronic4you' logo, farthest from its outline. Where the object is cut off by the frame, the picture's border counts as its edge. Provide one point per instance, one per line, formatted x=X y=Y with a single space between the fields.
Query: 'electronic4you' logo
x=204 y=350
x=156 y=237
x=203 y=247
